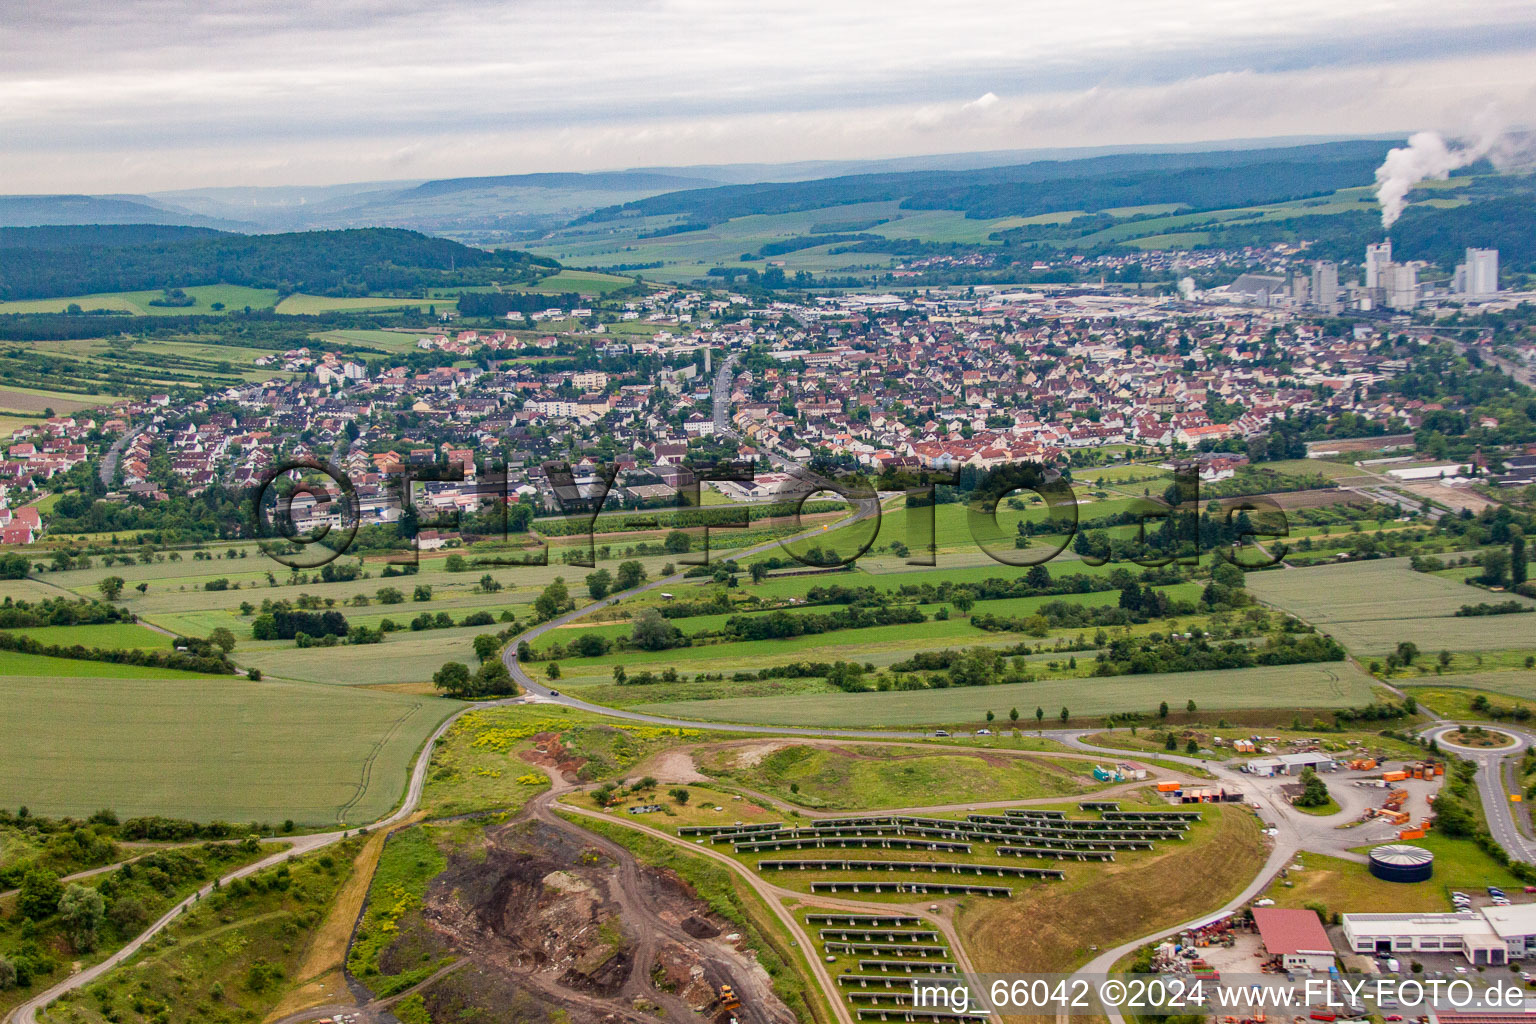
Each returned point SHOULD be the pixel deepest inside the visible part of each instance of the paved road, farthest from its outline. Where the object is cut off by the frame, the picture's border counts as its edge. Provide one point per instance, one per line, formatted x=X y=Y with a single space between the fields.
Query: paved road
x=721 y=398
x=1497 y=807
x=109 y=462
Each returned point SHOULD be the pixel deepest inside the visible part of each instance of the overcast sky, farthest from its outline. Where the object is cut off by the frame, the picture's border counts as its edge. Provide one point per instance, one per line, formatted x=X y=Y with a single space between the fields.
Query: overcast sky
x=138 y=95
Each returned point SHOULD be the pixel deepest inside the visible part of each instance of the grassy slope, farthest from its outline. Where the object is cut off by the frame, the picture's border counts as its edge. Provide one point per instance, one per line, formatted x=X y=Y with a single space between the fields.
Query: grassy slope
x=201 y=968
x=859 y=777
x=1051 y=927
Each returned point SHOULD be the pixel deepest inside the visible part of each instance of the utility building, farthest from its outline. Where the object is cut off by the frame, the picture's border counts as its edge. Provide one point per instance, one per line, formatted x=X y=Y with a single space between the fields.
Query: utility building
x=1490 y=936
x=1296 y=937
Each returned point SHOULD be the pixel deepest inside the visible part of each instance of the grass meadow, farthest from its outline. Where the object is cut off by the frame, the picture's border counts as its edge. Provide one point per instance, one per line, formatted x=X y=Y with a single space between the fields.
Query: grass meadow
x=234 y=297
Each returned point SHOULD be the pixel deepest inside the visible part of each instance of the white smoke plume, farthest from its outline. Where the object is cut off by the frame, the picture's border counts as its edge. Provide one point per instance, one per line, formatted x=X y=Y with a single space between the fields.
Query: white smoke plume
x=1428 y=155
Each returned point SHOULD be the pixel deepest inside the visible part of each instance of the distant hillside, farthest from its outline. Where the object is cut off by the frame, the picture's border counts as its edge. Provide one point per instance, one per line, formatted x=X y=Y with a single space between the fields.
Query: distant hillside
x=29 y=211
x=1436 y=235
x=79 y=236
x=1200 y=180
x=482 y=209
x=599 y=182
x=52 y=262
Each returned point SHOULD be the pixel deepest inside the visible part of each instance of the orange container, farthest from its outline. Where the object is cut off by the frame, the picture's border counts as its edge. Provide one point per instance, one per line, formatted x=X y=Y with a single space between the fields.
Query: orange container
x=1394 y=776
x=1411 y=833
x=1169 y=787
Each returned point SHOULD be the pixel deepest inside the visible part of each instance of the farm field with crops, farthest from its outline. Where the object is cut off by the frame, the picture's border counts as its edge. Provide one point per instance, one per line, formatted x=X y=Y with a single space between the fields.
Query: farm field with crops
x=1372 y=606
x=1324 y=685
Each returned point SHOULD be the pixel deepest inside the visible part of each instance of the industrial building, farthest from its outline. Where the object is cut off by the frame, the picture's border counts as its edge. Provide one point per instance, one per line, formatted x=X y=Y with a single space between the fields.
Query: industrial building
x=1490 y=936
x=1325 y=286
x=1295 y=937
x=1400 y=285
x=1290 y=764
x=1478 y=277
x=1377 y=257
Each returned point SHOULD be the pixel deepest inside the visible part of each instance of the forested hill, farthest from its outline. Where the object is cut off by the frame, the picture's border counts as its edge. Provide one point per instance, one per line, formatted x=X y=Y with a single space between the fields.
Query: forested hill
x=78 y=236
x=47 y=262
x=1199 y=180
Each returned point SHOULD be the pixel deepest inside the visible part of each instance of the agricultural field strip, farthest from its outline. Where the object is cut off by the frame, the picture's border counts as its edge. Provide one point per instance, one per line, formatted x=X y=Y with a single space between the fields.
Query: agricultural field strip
x=1313 y=685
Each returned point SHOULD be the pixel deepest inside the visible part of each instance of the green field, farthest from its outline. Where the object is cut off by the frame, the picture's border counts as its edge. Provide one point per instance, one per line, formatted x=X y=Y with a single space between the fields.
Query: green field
x=1372 y=606
x=407 y=657
x=160 y=359
x=388 y=341
x=1326 y=685
x=14 y=663
x=206 y=748
x=10 y=424
x=585 y=282
x=302 y=304
x=112 y=635
x=233 y=296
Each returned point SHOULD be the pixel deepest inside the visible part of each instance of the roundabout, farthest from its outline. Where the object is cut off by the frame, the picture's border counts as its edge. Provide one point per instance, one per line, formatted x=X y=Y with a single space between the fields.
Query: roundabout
x=1477 y=737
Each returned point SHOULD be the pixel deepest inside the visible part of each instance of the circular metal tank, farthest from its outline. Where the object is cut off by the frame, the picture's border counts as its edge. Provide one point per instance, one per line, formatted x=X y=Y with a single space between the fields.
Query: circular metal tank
x=1402 y=863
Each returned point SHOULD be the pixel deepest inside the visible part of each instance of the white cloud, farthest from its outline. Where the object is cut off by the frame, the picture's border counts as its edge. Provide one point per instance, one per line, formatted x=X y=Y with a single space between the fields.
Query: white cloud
x=145 y=94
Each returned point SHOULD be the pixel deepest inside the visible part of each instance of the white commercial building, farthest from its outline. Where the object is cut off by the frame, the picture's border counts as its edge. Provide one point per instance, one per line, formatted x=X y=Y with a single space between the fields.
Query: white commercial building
x=1492 y=935
x=1290 y=764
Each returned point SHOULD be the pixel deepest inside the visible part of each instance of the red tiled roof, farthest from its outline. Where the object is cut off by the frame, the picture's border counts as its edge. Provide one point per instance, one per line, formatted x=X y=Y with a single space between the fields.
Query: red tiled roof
x=1286 y=930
